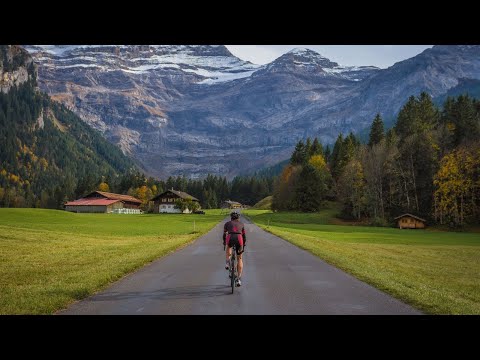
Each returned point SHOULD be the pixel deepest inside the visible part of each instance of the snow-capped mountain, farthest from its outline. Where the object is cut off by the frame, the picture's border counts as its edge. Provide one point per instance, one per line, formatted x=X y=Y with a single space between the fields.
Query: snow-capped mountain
x=308 y=62
x=209 y=63
x=198 y=109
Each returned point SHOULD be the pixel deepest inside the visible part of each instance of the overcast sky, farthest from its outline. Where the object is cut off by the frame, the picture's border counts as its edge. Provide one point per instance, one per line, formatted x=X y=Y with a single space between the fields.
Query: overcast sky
x=382 y=56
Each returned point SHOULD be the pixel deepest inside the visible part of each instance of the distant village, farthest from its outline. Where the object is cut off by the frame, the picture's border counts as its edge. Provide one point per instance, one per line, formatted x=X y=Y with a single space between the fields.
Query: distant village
x=170 y=201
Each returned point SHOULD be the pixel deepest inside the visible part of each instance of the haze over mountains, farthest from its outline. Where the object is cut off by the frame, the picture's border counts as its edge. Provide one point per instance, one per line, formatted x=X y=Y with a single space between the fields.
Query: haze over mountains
x=195 y=110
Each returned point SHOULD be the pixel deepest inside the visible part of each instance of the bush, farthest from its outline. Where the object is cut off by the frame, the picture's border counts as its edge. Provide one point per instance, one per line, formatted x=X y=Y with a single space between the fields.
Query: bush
x=380 y=222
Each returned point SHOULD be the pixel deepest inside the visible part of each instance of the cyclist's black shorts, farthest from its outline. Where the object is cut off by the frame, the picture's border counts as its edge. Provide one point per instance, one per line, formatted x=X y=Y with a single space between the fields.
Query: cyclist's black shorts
x=235 y=239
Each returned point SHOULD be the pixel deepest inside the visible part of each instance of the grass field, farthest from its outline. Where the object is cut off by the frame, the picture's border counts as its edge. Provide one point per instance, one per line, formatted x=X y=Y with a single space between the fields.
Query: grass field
x=436 y=272
x=50 y=258
x=264 y=204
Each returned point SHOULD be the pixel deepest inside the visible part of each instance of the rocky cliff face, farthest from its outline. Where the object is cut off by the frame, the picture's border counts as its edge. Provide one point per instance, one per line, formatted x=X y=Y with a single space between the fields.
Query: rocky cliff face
x=198 y=109
x=16 y=67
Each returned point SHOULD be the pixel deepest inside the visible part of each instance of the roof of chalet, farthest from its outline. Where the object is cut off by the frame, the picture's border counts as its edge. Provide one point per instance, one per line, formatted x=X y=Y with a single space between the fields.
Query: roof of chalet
x=413 y=216
x=180 y=194
x=232 y=202
x=113 y=196
x=91 y=202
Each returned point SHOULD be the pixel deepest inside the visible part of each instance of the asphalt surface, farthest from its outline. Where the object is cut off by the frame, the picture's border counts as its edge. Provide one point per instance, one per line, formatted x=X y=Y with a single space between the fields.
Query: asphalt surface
x=278 y=278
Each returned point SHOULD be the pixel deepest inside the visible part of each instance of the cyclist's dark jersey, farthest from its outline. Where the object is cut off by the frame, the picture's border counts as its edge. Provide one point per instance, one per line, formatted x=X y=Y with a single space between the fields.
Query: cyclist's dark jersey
x=236 y=232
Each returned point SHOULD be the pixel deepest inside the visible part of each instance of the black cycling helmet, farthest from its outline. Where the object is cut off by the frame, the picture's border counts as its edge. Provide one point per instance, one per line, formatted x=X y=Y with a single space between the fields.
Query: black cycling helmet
x=234 y=215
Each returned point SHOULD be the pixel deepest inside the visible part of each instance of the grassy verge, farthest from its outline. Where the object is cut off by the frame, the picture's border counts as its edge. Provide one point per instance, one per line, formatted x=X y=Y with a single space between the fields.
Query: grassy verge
x=49 y=258
x=436 y=272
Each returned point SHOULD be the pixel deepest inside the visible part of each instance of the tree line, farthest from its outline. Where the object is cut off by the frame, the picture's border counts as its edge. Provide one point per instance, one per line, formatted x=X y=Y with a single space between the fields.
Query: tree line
x=210 y=191
x=427 y=164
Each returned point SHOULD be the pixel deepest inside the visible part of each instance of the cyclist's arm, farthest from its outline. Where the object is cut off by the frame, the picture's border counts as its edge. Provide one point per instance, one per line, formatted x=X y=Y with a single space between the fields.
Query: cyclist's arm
x=225 y=234
x=244 y=235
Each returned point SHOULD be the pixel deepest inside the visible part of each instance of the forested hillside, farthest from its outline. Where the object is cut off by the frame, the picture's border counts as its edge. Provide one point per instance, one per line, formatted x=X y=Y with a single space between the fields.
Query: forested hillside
x=428 y=164
x=47 y=153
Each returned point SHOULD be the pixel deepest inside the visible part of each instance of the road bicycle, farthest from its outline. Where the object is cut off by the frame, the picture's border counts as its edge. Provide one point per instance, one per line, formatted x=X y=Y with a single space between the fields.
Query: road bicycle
x=233 y=274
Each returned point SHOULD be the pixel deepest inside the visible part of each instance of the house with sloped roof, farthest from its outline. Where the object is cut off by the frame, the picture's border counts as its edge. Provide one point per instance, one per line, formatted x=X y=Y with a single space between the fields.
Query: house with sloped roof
x=103 y=202
x=165 y=202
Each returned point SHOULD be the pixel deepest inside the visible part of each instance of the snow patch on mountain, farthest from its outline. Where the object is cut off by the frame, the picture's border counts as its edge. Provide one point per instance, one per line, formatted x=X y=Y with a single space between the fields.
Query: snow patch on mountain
x=215 y=64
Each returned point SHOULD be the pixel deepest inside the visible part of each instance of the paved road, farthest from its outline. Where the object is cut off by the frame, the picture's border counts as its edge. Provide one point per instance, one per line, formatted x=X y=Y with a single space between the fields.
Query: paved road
x=279 y=278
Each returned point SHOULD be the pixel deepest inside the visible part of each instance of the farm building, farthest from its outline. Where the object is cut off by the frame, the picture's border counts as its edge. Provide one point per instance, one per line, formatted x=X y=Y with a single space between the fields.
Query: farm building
x=228 y=204
x=165 y=202
x=129 y=202
x=409 y=221
x=104 y=202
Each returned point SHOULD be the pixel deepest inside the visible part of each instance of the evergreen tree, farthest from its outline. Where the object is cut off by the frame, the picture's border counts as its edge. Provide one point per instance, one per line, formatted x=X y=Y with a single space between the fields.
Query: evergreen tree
x=377 y=132
x=335 y=158
x=328 y=154
x=308 y=192
x=299 y=155
x=317 y=148
x=308 y=148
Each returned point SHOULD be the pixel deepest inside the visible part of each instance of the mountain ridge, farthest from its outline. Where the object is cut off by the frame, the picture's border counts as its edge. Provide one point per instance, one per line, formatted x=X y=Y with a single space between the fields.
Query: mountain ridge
x=199 y=109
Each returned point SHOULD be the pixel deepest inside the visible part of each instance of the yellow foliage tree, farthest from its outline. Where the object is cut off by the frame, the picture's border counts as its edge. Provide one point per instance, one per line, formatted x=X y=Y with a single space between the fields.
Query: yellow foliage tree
x=14 y=178
x=43 y=163
x=318 y=162
x=457 y=187
x=142 y=193
x=103 y=187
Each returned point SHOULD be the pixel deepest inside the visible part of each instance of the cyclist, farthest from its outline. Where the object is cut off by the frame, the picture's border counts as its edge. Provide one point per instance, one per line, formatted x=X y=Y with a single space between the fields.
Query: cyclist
x=234 y=232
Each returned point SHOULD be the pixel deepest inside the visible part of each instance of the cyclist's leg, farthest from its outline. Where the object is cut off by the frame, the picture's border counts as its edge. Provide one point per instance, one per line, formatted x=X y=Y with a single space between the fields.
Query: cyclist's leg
x=228 y=251
x=240 y=257
x=239 y=265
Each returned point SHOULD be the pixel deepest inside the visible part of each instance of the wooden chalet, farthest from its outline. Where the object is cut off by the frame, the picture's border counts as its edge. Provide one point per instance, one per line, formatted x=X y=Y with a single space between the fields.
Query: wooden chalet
x=165 y=202
x=409 y=221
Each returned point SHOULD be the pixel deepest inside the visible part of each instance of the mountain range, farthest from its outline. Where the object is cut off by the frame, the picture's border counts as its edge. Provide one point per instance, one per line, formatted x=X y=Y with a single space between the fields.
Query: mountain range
x=198 y=109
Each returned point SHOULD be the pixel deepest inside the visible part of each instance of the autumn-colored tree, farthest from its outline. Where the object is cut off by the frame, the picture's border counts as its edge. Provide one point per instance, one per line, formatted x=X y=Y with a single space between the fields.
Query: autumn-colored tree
x=318 y=162
x=457 y=187
x=284 y=189
x=352 y=190
x=103 y=187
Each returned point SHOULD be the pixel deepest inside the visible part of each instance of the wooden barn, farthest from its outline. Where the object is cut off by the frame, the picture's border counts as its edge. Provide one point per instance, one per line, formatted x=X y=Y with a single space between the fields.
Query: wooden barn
x=93 y=205
x=228 y=204
x=103 y=202
x=409 y=221
x=165 y=202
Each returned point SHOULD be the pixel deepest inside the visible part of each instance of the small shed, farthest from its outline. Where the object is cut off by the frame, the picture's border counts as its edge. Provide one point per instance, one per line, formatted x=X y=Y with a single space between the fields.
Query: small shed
x=409 y=221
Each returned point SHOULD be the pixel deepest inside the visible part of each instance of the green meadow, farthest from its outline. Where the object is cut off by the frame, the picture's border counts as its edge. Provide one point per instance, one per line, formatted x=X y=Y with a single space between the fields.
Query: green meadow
x=435 y=271
x=51 y=258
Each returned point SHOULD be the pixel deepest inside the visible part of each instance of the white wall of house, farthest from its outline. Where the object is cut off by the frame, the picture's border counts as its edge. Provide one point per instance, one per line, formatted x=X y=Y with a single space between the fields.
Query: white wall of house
x=169 y=208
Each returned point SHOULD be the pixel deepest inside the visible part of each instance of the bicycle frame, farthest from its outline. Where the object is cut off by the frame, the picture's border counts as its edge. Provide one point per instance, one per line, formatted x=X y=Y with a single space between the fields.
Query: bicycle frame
x=233 y=267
